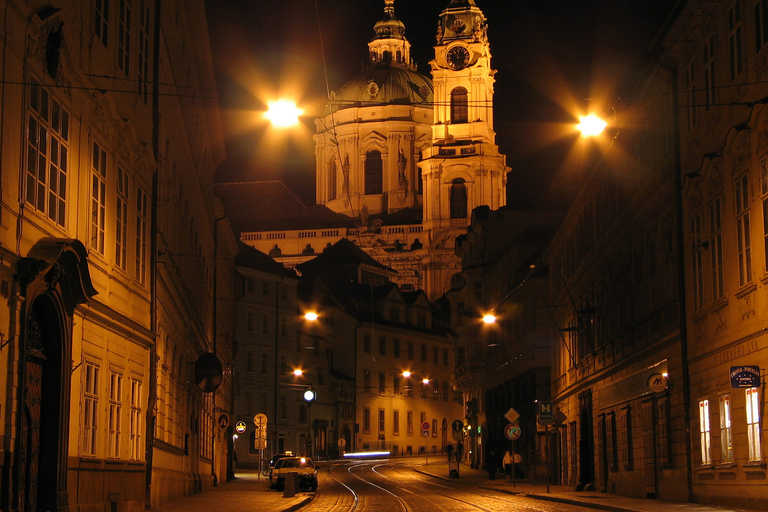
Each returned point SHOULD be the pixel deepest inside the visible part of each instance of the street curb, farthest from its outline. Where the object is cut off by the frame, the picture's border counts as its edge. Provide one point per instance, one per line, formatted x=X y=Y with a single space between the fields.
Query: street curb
x=558 y=499
x=297 y=506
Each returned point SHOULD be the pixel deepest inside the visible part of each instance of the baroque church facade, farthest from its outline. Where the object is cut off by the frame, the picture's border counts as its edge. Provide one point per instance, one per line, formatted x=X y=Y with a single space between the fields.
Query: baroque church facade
x=402 y=159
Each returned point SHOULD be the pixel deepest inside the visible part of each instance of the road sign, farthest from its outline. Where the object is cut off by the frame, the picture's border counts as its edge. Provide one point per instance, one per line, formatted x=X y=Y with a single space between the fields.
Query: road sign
x=425 y=433
x=512 y=415
x=425 y=426
x=223 y=420
x=657 y=382
x=240 y=427
x=512 y=431
x=260 y=420
x=457 y=425
x=342 y=442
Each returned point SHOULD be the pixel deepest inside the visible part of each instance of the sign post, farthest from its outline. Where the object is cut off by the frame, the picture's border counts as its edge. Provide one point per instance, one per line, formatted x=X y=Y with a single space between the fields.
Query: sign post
x=260 y=438
x=425 y=433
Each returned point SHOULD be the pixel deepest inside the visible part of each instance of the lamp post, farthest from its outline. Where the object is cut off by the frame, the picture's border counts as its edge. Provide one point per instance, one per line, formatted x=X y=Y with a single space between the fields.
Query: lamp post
x=309 y=398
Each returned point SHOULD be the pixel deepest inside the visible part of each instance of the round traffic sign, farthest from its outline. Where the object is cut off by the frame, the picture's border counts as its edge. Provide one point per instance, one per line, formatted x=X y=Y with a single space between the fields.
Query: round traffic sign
x=425 y=425
x=457 y=425
x=240 y=427
x=342 y=442
x=260 y=420
x=512 y=431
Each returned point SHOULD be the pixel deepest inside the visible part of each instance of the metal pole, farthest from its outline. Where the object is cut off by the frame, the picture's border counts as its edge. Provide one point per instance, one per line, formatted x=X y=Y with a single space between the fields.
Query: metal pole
x=549 y=458
x=514 y=468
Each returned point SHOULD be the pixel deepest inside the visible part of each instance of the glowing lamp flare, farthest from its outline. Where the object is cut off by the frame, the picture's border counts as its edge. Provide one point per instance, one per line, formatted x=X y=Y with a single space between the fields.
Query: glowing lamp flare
x=489 y=318
x=311 y=316
x=591 y=125
x=298 y=372
x=283 y=113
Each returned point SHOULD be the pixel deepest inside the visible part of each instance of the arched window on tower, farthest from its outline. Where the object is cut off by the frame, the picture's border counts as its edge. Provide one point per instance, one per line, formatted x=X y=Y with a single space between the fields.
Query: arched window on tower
x=459 y=107
x=458 y=199
x=332 y=179
x=373 y=176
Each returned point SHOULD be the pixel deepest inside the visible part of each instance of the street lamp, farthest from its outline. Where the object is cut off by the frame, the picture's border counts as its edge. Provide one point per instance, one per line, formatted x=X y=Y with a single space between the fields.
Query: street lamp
x=591 y=125
x=283 y=114
x=309 y=398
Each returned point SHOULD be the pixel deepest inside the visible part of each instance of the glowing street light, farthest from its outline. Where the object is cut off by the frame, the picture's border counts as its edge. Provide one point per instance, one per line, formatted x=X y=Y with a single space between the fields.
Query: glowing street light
x=298 y=372
x=489 y=318
x=591 y=125
x=283 y=113
x=406 y=374
x=310 y=315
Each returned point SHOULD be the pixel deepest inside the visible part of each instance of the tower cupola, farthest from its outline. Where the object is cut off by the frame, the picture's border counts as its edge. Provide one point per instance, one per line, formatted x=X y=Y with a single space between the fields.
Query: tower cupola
x=389 y=47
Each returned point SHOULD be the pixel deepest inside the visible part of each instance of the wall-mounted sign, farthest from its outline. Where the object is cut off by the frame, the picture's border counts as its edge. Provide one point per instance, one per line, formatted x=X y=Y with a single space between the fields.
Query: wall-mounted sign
x=240 y=427
x=745 y=377
x=223 y=420
x=208 y=372
x=657 y=382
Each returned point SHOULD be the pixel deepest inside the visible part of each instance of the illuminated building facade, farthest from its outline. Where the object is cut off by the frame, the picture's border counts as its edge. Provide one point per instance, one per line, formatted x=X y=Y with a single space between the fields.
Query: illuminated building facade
x=115 y=261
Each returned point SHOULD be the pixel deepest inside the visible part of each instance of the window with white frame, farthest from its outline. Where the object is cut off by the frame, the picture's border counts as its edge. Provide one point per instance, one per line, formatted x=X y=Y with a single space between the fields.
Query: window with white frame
x=366 y=420
x=381 y=421
x=115 y=414
x=124 y=37
x=396 y=422
x=697 y=257
x=101 y=25
x=136 y=424
x=142 y=218
x=409 y=423
x=121 y=220
x=143 y=56
x=98 y=197
x=735 y=40
x=743 y=240
x=90 y=408
x=706 y=453
x=716 y=248
x=47 y=153
x=752 y=407
x=726 y=441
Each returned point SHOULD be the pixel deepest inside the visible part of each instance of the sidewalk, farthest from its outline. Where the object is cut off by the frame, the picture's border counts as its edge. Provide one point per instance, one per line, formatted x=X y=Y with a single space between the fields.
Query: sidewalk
x=562 y=494
x=246 y=492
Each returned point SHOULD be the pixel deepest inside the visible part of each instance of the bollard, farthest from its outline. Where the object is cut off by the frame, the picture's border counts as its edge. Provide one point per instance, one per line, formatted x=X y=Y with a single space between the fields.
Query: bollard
x=290 y=485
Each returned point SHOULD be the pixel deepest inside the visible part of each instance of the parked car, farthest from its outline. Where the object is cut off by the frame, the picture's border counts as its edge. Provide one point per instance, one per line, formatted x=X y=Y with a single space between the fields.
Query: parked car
x=273 y=461
x=302 y=466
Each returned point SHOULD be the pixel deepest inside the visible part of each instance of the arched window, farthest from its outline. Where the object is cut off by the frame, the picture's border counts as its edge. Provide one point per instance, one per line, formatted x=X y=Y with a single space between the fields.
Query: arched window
x=373 y=173
x=458 y=199
x=459 y=108
x=332 y=179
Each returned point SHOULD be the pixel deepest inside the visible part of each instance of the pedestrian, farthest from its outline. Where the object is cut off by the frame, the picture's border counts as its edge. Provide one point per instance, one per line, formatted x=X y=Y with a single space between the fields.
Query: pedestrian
x=491 y=464
x=518 y=465
x=507 y=464
x=459 y=451
x=449 y=449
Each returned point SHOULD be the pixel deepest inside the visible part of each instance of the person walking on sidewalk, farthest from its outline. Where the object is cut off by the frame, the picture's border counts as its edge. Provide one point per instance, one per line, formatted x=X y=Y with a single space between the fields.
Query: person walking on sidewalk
x=492 y=464
x=507 y=464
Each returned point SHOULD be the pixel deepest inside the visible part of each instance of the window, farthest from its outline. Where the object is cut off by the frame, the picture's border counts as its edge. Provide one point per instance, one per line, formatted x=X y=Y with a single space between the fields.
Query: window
x=396 y=384
x=382 y=382
x=458 y=199
x=706 y=455
x=382 y=346
x=47 y=153
x=626 y=438
x=249 y=361
x=752 y=407
x=435 y=355
x=396 y=348
x=761 y=24
x=409 y=348
x=446 y=390
x=101 y=27
x=690 y=95
x=716 y=248
x=735 y=40
x=264 y=363
x=250 y=321
x=434 y=428
x=136 y=449
x=373 y=174
x=98 y=197
x=366 y=381
x=121 y=220
x=459 y=105
x=367 y=343
x=115 y=414
x=697 y=257
x=283 y=326
x=206 y=427
x=265 y=323
x=396 y=422
x=124 y=37
x=381 y=421
x=743 y=243
x=366 y=420
x=662 y=422
x=141 y=235
x=726 y=441
x=90 y=408
x=423 y=353
x=445 y=357
x=143 y=68
x=710 y=85
x=409 y=423
x=265 y=287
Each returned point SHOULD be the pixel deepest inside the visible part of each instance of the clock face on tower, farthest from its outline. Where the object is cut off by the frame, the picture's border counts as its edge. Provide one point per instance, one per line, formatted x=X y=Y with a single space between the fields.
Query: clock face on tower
x=457 y=57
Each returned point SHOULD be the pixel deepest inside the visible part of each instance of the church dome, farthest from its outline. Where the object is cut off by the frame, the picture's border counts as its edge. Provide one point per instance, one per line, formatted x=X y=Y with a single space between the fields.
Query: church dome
x=383 y=85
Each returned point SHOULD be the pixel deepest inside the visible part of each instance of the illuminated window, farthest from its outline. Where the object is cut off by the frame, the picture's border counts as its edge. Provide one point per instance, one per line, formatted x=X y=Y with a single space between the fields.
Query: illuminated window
x=90 y=408
x=115 y=414
x=726 y=441
x=143 y=68
x=716 y=248
x=373 y=173
x=98 y=197
x=124 y=37
x=47 y=153
x=706 y=453
x=121 y=220
x=735 y=40
x=134 y=434
x=101 y=26
x=142 y=218
x=743 y=240
x=752 y=407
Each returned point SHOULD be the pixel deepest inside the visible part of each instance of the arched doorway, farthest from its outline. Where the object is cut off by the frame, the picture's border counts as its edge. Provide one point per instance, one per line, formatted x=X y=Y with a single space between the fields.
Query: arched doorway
x=53 y=280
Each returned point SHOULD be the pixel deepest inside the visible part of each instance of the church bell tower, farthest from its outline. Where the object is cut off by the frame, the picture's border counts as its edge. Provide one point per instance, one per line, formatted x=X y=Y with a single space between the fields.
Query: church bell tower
x=463 y=168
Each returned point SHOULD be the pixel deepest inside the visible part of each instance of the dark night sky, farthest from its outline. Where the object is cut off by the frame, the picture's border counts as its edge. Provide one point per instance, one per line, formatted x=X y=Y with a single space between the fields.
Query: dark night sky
x=550 y=55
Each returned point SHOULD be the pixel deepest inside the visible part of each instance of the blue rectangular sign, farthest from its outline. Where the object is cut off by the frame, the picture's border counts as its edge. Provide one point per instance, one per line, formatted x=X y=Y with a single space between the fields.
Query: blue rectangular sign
x=745 y=377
